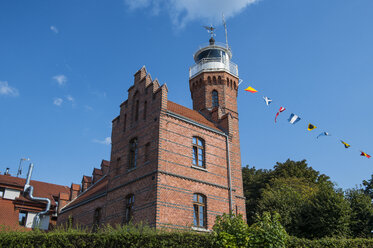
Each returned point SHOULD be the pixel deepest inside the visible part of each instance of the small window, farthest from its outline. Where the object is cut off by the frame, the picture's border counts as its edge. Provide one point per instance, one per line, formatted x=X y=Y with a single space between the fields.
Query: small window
x=125 y=122
x=199 y=213
x=137 y=110
x=145 y=109
x=133 y=153
x=22 y=218
x=215 y=99
x=117 y=166
x=147 y=150
x=96 y=219
x=130 y=200
x=198 y=152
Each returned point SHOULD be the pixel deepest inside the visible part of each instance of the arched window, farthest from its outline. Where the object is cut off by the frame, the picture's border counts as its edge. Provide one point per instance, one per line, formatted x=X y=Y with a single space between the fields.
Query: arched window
x=198 y=152
x=132 y=156
x=219 y=79
x=130 y=200
x=227 y=82
x=135 y=107
x=145 y=109
x=96 y=219
x=209 y=80
x=214 y=79
x=215 y=99
x=199 y=212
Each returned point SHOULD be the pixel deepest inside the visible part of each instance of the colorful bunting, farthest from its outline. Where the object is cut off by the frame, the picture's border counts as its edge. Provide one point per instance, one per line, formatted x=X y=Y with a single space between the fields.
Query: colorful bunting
x=345 y=144
x=294 y=118
x=311 y=127
x=282 y=109
x=267 y=100
x=365 y=155
x=251 y=89
x=323 y=134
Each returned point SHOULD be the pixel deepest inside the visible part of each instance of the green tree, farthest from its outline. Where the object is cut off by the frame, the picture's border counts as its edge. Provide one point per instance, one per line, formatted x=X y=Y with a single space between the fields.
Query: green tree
x=287 y=196
x=361 y=223
x=369 y=187
x=327 y=215
x=254 y=181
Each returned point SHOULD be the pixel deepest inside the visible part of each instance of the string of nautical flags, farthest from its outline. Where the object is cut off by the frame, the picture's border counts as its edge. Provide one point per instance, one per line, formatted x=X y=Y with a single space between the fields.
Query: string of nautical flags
x=294 y=119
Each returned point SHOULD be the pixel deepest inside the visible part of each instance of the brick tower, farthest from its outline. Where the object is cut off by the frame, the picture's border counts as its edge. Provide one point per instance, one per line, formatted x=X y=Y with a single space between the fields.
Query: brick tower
x=213 y=83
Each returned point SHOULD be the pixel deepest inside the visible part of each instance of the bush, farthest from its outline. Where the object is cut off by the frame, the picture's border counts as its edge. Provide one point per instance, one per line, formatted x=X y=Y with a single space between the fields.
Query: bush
x=267 y=232
x=230 y=231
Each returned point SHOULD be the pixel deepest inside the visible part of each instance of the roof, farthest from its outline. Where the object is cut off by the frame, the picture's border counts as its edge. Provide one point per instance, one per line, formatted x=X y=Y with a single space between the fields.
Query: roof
x=96 y=189
x=190 y=114
x=41 y=189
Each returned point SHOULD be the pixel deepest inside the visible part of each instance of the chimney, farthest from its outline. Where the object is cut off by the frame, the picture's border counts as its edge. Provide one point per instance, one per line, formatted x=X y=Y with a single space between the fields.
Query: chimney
x=63 y=199
x=96 y=175
x=74 y=190
x=86 y=182
x=7 y=172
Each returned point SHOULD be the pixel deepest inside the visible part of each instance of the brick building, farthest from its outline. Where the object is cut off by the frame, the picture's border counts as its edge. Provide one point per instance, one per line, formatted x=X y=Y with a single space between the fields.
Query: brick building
x=171 y=166
x=18 y=212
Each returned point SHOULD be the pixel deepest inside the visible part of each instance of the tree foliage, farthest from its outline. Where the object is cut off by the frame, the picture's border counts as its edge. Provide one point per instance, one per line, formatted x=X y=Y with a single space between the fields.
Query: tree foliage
x=308 y=202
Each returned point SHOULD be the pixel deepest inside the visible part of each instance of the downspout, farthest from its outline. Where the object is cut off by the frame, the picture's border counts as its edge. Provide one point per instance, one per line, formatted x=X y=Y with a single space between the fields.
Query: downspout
x=229 y=174
x=28 y=191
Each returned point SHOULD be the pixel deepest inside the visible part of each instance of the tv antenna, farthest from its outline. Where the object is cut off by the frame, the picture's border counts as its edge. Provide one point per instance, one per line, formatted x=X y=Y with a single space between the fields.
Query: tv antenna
x=226 y=33
x=210 y=30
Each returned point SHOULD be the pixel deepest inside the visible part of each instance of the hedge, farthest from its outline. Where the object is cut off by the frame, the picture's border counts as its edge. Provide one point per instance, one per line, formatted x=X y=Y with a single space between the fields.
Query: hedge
x=294 y=242
x=152 y=239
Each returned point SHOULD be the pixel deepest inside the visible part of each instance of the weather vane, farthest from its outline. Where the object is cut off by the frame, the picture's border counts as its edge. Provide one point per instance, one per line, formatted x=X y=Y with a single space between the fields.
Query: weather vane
x=210 y=30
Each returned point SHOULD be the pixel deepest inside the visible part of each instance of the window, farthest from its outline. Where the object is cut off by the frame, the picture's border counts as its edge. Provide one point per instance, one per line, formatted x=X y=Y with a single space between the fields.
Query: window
x=215 y=99
x=117 y=166
x=124 y=122
x=198 y=152
x=199 y=213
x=146 y=155
x=145 y=108
x=130 y=200
x=96 y=219
x=2 y=190
x=133 y=153
x=22 y=218
x=137 y=110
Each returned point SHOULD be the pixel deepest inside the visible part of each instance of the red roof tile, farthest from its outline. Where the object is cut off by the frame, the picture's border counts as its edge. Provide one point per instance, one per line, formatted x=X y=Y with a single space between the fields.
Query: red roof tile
x=190 y=114
x=41 y=189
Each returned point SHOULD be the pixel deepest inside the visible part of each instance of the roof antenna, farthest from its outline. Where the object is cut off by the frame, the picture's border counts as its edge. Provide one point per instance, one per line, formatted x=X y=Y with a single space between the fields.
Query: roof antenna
x=226 y=33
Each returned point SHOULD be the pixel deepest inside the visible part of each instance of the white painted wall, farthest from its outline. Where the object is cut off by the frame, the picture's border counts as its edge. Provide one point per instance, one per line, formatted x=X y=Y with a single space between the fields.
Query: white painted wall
x=30 y=221
x=11 y=194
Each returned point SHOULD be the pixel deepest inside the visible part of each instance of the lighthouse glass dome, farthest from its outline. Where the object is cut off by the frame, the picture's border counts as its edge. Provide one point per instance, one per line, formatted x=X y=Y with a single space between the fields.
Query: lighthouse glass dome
x=213 y=57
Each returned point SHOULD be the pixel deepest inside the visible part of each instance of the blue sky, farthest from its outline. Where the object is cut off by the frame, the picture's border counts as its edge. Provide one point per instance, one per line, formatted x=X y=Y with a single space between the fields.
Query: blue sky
x=65 y=67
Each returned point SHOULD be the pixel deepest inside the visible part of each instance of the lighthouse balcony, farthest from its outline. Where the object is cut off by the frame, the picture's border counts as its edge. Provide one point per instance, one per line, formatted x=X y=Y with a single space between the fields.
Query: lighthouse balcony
x=213 y=64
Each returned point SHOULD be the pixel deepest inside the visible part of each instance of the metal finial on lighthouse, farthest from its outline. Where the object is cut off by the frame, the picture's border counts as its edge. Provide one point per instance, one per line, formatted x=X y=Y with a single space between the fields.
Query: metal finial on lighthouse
x=210 y=30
